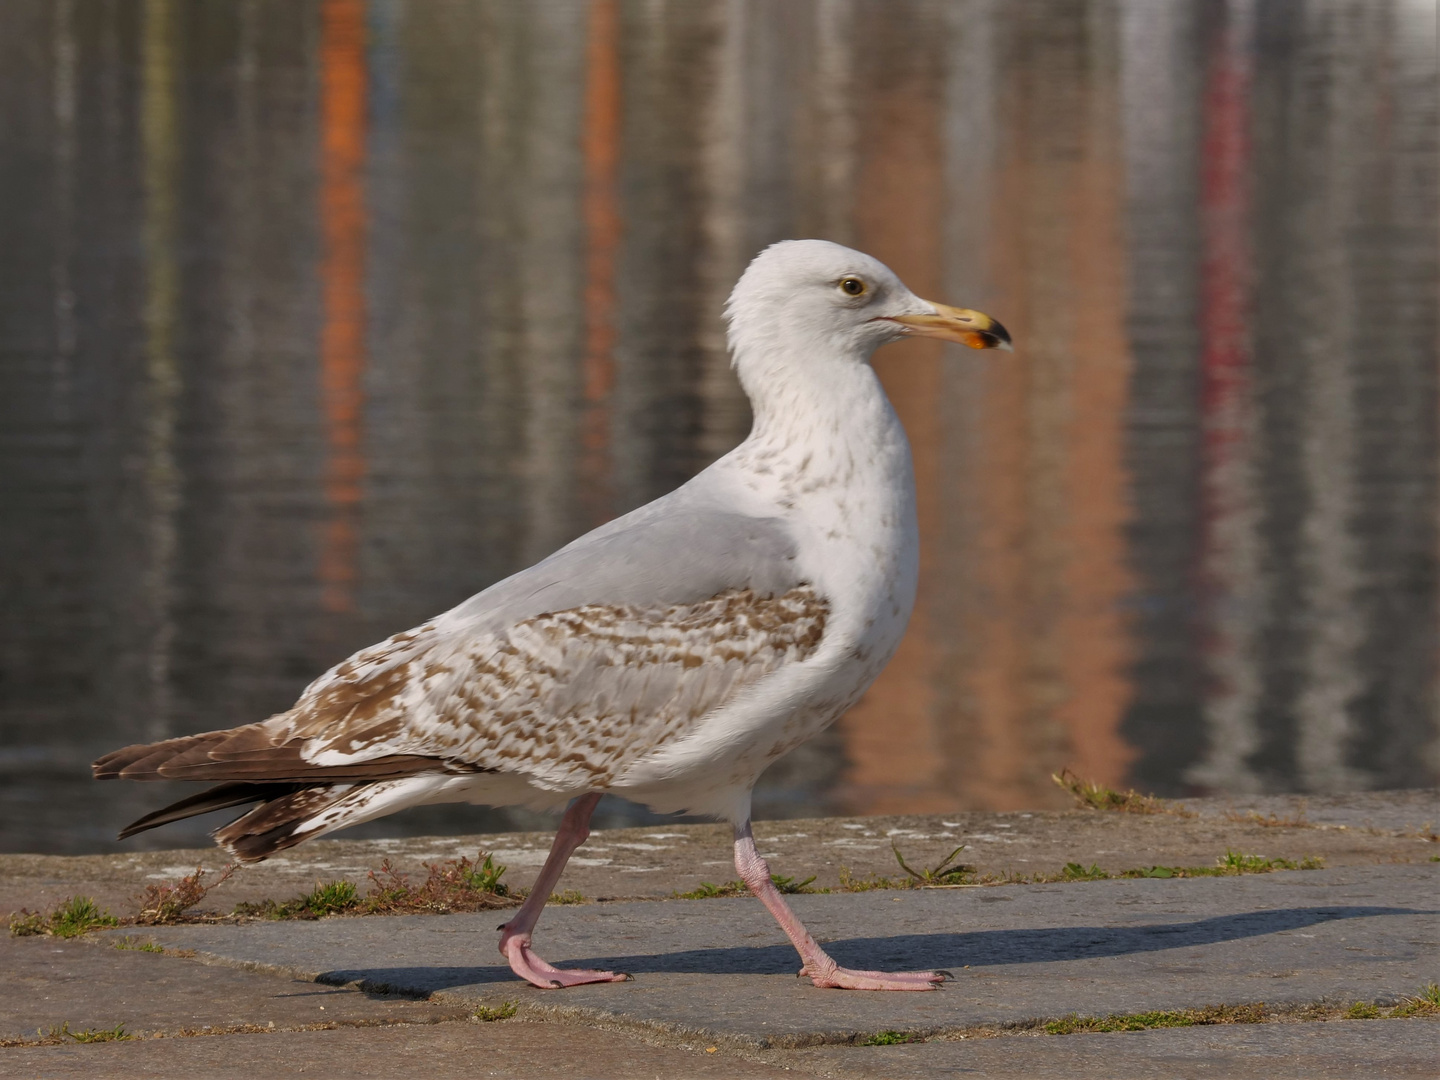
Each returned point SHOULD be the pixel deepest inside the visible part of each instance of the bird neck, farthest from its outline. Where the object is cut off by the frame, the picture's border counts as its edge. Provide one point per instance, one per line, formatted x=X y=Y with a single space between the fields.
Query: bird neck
x=821 y=422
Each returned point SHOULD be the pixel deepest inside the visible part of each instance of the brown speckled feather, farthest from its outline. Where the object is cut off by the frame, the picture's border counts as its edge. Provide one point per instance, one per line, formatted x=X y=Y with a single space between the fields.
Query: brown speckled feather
x=566 y=698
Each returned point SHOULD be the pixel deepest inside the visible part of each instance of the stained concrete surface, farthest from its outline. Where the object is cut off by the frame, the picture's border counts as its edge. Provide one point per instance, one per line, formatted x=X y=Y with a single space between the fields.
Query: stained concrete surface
x=654 y=862
x=723 y=967
x=715 y=993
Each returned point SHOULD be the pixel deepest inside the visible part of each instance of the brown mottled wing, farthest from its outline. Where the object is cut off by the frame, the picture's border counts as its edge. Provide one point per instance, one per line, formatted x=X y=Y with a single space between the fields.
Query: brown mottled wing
x=565 y=697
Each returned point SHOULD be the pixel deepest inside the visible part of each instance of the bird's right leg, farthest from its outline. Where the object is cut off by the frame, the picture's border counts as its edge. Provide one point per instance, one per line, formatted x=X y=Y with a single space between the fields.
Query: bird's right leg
x=817 y=963
x=515 y=941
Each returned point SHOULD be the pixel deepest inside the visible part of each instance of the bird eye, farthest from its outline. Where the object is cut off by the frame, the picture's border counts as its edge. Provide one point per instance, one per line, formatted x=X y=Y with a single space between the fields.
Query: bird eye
x=852 y=286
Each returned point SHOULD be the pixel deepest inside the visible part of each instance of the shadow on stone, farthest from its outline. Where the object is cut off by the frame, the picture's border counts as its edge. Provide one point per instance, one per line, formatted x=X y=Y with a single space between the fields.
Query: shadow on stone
x=982 y=948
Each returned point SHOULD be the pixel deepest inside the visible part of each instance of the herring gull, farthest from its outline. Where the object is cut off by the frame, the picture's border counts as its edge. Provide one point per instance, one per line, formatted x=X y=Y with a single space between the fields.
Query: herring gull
x=668 y=656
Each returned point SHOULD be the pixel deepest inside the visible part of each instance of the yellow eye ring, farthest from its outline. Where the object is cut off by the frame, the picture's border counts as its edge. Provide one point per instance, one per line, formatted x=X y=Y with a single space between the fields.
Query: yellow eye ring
x=852 y=286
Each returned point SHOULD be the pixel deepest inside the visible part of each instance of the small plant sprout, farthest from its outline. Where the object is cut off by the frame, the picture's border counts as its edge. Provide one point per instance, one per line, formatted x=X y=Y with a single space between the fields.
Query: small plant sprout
x=62 y=1032
x=331 y=898
x=946 y=872
x=457 y=885
x=1099 y=797
x=486 y=876
x=166 y=902
x=708 y=890
x=490 y=1013
x=890 y=1038
x=130 y=944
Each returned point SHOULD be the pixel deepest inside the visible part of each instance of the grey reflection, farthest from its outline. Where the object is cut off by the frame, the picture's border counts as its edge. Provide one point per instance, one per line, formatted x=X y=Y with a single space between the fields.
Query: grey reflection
x=159 y=139
x=1188 y=540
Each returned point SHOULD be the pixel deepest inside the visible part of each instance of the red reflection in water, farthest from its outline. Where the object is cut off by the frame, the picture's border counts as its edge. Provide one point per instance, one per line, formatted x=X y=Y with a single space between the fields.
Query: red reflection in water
x=342 y=275
x=600 y=149
x=1227 y=541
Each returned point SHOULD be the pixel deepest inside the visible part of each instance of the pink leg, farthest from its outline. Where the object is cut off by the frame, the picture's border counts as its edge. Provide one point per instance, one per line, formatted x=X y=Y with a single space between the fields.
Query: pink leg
x=515 y=941
x=816 y=963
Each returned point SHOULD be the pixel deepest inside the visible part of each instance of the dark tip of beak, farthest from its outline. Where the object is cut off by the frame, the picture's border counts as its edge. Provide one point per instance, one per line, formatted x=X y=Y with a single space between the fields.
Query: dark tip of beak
x=996 y=336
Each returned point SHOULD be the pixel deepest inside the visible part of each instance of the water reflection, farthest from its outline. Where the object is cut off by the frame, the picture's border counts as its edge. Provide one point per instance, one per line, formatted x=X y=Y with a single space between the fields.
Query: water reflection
x=318 y=317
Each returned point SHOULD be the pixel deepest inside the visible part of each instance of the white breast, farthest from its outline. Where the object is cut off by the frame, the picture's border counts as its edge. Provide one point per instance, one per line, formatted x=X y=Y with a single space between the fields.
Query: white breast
x=849 y=496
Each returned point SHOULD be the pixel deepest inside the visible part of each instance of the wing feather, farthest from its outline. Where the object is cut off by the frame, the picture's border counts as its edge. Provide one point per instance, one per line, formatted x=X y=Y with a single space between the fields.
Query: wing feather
x=568 y=697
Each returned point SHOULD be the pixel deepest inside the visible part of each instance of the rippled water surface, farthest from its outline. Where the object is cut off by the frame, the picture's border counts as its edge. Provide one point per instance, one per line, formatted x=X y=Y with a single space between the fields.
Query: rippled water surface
x=316 y=318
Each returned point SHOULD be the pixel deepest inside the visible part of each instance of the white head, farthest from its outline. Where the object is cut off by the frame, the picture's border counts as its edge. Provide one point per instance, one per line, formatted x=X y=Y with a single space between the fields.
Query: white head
x=814 y=301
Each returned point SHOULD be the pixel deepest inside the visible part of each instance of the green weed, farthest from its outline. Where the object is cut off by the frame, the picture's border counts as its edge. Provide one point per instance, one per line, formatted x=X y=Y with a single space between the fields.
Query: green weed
x=489 y=1014
x=92 y=1035
x=457 y=885
x=1165 y=1018
x=850 y=883
x=1425 y=1003
x=484 y=876
x=76 y=916
x=130 y=944
x=946 y=872
x=1363 y=1010
x=708 y=890
x=890 y=1038
x=1099 y=797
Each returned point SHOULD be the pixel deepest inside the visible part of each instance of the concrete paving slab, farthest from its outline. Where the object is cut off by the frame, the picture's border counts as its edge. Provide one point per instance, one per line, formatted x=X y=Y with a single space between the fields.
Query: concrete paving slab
x=45 y=983
x=722 y=969
x=1336 y=1050
x=1413 y=812
x=511 y=1049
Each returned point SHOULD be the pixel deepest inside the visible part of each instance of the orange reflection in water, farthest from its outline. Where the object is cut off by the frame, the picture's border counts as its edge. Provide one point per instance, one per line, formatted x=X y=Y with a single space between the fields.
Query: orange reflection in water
x=342 y=275
x=891 y=736
x=1047 y=646
x=1031 y=585
x=600 y=149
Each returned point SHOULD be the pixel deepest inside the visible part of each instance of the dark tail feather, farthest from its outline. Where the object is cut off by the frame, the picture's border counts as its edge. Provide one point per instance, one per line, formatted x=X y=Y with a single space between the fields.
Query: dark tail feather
x=220 y=797
x=274 y=825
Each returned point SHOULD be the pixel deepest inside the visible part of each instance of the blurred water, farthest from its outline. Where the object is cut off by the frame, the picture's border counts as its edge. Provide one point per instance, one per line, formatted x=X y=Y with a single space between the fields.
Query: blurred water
x=316 y=318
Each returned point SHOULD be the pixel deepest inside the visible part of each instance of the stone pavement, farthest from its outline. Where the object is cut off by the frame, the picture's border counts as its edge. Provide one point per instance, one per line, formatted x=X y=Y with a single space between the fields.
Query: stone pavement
x=714 y=991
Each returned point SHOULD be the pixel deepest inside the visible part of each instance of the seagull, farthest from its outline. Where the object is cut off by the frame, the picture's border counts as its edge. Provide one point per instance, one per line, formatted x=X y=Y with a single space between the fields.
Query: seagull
x=667 y=657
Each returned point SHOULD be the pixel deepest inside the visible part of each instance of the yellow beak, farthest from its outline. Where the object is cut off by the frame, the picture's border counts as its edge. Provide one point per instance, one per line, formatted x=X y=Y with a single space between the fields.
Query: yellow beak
x=972 y=328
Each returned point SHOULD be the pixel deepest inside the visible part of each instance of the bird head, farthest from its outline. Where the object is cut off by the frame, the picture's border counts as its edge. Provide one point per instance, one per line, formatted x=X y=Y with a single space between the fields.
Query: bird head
x=816 y=292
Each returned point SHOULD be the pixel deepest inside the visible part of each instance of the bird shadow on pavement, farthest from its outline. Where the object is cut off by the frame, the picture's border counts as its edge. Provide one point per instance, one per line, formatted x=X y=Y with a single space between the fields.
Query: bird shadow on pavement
x=979 y=948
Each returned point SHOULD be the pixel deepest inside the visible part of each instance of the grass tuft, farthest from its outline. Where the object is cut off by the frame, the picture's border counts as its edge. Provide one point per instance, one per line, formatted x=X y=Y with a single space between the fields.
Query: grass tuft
x=569 y=896
x=890 y=1038
x=77 y=915
x=59 y=1034
x=850 y=883
x=457 y=885
x=1099 y=797
x=946 y=872
x=708 y=890
x=1425 y=1003
x=130 y=944
x=1163 y=1018
x=165 y=903
x=489 y=1014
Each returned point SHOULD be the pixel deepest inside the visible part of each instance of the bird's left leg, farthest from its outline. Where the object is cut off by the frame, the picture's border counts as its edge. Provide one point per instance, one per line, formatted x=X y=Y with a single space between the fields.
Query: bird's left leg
x=817 y=964
x=515 y=941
